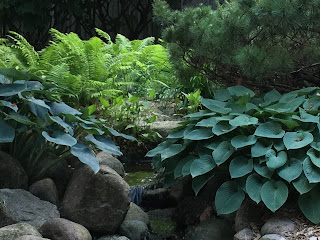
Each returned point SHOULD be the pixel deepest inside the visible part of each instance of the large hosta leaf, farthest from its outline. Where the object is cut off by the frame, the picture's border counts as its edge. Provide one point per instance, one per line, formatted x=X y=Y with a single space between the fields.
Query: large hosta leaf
x=254 y=184
x=286 y=120
x=181 y=163
x=222 y=128
x=117 y=134
x=199 y=134
x=272 y=96
x=311 y=171
x=302 y=184
x=270 y=130
x=20 y=118
x=104 y=144
x=274 y=194
x=85 y=155
x=315 y=145
x=11 y=89
x=274 y=160
x=62 y=123
x=309 y=204
x=291 y=170
x=223 y=152
x=228 y=198
x=57 y=108
x=200 y=181
x=262 y=170
x=215 y=106
x=306 y=117
x=222 y=95
x=261 y=147
x=314 y=156
x=200 y=114
x=60 y=138
x=160 y=148
x=240 y=91
x=202 y=165
x=177 y=134
x=243 y=141
x=172 y=150
x=240 y=166
x=243 y=120
x=296 y=140
x=208 y=122
x=7 y=132
x=11 y=105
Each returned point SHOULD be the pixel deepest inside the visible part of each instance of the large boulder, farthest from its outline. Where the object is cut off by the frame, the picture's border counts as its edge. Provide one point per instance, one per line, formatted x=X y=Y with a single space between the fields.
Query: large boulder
x=157 y=198
x=12 y=232
x=277 y=225
x=46 y=190
x=134 y=230
x=113 y=237
x=12 y=174
x=17 y=205
x=63 y=229
x=110 y=161
x=30 y=237
x=136 y=213
x=99 y=201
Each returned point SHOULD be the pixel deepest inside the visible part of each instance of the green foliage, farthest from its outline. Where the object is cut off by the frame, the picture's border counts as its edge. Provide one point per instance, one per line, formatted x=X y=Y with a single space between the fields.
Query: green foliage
x=265 y=145
x=253 y=42
x=35 y=125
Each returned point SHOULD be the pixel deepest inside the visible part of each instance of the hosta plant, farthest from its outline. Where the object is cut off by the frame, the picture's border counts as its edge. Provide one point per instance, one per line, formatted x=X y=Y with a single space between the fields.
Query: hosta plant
x=33 y=125
x=267 y=145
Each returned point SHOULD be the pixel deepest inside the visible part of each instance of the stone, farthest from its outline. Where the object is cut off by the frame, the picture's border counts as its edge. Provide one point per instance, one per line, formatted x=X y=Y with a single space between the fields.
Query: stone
x=277 y=225
x=164 y=128
x=30 y=237
x=244 y=234
x=63 y=229
x=212 y=229
x=113 y=237
x=136 y=213
x=12 y=232
x=161 y=214
x=157 y=198
x=272 y=237
x=181 y=188
x=107 y=159
x=46 y=190
x=18 y=205
x=134 y=229
x=99 y=201
x=12 y=174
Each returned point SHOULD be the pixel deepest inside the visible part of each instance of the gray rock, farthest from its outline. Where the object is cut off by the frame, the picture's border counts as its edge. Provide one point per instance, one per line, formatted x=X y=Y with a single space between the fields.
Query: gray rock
x=277 y=226
x=244 y=234
x=107 y=159
x=136 y=213
x=181 y=188
x=272 y=237
x=134 y=229
x=46 y=190
x=63 y=229
x=157 y=198
x=99 y=201
x=12 y=174
x=113 y=237
x=161 y=214
x=17 y=205
x=212 y=229
x=30 y=237
x=164 y=128
x=12 y=232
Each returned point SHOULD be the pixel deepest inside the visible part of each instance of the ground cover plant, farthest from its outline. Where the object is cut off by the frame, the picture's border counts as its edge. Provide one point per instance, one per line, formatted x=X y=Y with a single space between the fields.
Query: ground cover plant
x=266 y=145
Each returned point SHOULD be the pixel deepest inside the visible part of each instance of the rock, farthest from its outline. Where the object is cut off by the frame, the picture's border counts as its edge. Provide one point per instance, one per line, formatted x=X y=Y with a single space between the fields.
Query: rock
x=212 y=229
x=99 y=201
x=17 y=205
x=46 y=190
x=181 y=188
x=14 y=231
x=63 y=229
x=244 y=234
x=272 y=237
x=161 y=214
x=134 y=229
x=136 y=213
x=164 y=128
x=113 y=237
x=107 y=159
x=12 y=174
x=277 y=225
x=157 y=198
x=30 y=237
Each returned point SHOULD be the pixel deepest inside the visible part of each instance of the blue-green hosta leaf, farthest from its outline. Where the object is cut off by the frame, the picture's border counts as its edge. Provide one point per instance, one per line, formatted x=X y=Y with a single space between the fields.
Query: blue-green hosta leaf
x=243 y=120
x=222 y=95
x=11 y=89
x=188 y=130
x=274 y=160
x=117 y=134
x=243 y=141
x=181 y=163
x=228 y=198
x=60 y=138
x=272 y=96
x=104 y=144
x=208 y=122
x=261 y=147
x=200 y=181
x=254 y=184
x=13 y=106
x=186 y=168
x=199 y=134
x=176 y=134
x=243 y=100
x=309 y=204
x=20 y=118
x=58 y=108
x=315 y=145
x=312 y=104
x=4 y=80
x=291 y=170
x=240 y=91
x=311 y=171
x=202 y=165
x=314 y=156
x=262 y=170
x=302 y=184
x=39 y=111
x=212 y=145
x=200 y=114
x=172 y=150
x=91 y=129
x=7 y=132
x=38 y=102
x=274 y=194
x=62 y=123
x=160 y=148
x=270 y=130
x=215 y=106
x=240 y=166
x=222 y=153
x=295 y=140
x=222 y=128
x=286 y=120
x=251 y=106
x=85 y=155
x=279 y=145
x=306 y=117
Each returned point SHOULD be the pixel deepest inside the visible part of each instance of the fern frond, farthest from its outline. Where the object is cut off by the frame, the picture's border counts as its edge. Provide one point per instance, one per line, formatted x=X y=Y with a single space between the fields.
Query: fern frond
x=104 y=35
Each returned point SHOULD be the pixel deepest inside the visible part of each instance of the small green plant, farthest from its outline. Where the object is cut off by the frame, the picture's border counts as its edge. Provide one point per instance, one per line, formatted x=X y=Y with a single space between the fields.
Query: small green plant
x=266 y=146
x=192 y=102
x=33 y=125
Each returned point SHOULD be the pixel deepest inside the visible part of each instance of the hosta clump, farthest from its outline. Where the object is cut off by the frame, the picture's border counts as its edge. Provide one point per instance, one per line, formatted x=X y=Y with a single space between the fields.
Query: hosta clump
x=267 y=144
x=34 y=126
